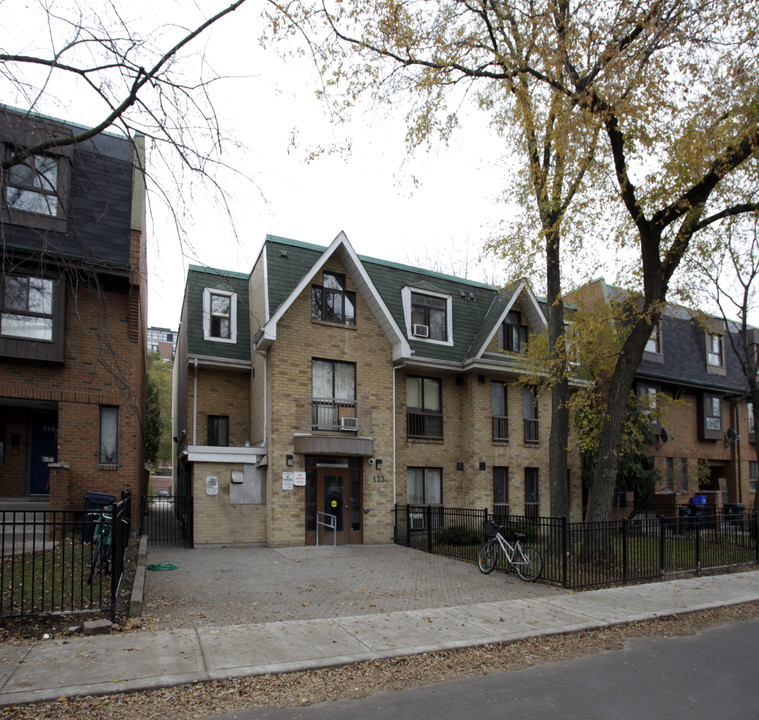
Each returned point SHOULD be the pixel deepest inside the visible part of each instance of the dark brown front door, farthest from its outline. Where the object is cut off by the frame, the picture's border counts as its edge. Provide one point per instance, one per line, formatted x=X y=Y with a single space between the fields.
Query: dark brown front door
x=337 y=495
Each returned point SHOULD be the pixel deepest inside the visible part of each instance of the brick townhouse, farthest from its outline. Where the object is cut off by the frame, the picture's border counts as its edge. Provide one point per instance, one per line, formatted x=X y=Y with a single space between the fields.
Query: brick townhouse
x=327 y=386
x=73 y=318
x=705 y=443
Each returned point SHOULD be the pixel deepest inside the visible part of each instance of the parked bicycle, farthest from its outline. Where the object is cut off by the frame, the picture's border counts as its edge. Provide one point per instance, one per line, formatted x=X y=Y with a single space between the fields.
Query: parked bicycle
x=526 y=560
x=102 y=538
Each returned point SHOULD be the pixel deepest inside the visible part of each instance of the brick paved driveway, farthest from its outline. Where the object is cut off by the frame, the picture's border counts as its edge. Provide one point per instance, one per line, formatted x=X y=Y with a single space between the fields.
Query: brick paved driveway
x=223 y=586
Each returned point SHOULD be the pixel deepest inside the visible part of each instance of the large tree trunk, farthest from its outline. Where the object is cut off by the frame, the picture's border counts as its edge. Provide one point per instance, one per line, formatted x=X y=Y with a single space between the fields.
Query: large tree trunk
x=559 y=440
x=598 y=545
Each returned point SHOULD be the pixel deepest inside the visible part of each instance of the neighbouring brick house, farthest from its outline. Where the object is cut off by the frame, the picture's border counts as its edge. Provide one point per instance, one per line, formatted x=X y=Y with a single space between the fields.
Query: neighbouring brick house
x=73 y=318
x=705 y=445
x=327 y=382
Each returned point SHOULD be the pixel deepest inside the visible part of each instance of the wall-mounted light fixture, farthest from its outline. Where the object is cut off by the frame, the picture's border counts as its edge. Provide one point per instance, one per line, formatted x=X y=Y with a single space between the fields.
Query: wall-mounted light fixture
x=379 y=464
x=289 y=460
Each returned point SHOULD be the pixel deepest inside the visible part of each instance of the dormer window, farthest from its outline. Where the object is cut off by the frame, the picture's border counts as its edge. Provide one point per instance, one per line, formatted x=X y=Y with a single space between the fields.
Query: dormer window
x=32 y=186
x=512 y=335
x=428 y=316
x=219 y=315
x=331 y=302
x=429 y=312
x=654 y=342
x=35 y=189
x=715 y=350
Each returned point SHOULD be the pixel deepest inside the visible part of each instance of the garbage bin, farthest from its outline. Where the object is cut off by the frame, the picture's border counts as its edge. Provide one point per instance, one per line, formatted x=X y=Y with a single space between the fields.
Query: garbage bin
x=94 y=503
x=685 y=513
x=734 y=513
x=699 y=511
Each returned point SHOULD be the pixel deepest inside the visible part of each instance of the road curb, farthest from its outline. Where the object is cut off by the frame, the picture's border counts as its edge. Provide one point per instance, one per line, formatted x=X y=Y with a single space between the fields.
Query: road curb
x=138 y=588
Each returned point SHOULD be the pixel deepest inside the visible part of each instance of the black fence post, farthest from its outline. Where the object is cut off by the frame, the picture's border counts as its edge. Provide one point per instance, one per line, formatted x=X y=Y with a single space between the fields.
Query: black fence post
x=428 y=513
x=624 y=551
x=662 y=541
x=564 y=552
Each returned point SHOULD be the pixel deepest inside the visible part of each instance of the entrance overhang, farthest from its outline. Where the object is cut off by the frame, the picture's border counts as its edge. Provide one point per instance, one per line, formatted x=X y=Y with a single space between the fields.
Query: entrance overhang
x=333 y=445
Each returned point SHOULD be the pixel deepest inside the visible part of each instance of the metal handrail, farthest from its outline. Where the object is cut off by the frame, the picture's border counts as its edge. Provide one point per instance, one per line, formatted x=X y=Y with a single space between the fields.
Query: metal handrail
x=332 y=525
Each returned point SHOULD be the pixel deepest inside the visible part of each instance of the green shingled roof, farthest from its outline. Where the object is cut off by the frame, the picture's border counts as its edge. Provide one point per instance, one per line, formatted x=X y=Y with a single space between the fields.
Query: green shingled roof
x=199 y=278
x=474 y=304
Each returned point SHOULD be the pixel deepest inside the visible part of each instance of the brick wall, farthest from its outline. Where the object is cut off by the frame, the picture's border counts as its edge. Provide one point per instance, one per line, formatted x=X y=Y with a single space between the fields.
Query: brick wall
x=299 y=340
x=104 y=366
x=220 y=392
x=217 y=521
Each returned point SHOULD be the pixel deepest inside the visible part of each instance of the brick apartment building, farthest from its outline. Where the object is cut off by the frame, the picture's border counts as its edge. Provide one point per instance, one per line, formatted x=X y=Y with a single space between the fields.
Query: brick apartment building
x=328 y=385
x=705 y=445
x=73 y=318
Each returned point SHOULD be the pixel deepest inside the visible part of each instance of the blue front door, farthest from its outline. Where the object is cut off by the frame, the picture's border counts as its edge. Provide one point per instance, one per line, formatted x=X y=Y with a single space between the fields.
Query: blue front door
x=43 y=449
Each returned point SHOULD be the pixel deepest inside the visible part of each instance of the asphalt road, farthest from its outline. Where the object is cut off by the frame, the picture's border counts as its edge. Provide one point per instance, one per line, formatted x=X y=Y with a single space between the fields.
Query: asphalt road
x=711 y=675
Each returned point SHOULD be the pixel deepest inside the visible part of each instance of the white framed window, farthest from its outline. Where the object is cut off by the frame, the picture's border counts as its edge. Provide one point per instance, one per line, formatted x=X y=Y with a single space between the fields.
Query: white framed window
x=219 y=315
x=753 y=475
x=429 y=316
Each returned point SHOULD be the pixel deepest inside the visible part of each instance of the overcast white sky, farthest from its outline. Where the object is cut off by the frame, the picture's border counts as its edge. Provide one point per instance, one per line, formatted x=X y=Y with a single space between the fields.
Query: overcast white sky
x=266 y=102
x=369 y=195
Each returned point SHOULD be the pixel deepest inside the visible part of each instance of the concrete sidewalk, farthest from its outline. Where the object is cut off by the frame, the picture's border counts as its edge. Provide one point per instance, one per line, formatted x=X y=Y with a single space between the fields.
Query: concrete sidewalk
x=144 y=660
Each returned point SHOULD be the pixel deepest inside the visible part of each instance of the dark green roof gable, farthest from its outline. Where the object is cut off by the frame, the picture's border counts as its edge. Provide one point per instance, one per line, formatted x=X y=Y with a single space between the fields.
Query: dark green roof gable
x=472 y=302
x=199 y=278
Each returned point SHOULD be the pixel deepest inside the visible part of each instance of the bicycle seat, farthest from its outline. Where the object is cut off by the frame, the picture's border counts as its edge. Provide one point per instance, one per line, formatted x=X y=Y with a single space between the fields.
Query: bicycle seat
x=519 y=536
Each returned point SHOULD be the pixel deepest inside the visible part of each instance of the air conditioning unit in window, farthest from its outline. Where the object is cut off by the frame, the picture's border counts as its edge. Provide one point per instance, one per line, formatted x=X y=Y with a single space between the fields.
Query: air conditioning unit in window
x=349 y=424
x=422 y=331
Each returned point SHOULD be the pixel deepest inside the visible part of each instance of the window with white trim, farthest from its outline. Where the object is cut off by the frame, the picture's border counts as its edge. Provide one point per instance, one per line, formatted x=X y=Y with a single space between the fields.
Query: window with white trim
x=428 y=315
x=219 y=315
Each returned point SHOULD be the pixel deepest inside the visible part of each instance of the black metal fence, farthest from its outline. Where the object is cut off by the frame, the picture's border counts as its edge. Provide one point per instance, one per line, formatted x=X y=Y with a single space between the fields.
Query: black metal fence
x=582 y=555
x=48 y=556
x=166 y=520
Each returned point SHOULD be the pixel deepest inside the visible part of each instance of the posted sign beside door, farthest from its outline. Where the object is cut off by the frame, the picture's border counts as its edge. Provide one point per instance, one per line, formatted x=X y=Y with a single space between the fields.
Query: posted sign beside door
x=293 y=479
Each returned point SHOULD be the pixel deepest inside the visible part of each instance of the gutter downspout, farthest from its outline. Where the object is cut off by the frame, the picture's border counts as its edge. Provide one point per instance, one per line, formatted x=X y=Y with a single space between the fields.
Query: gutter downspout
x=195 y=405
x=266 y=389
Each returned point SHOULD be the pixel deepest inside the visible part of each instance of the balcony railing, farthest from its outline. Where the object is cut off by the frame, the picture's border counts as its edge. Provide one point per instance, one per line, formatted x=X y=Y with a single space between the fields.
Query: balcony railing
x=531 y=431
x=424 y=425
x=333 y=415
x=500 y=427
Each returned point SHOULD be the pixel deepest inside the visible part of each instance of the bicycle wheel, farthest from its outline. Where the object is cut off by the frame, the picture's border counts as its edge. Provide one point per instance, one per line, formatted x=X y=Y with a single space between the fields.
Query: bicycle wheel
x=487 y=556
x=529 y=565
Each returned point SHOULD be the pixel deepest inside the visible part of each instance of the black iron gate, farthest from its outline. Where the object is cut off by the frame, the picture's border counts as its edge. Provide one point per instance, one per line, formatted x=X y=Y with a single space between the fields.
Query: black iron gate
x=166 y=520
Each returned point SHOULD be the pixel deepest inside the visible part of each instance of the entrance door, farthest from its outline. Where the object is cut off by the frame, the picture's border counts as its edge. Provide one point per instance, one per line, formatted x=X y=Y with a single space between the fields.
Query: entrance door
x=43 y=449
x=337 y=493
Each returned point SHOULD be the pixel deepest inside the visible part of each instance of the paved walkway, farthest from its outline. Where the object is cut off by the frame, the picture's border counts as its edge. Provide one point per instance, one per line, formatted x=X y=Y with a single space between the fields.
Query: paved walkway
x=165 y=657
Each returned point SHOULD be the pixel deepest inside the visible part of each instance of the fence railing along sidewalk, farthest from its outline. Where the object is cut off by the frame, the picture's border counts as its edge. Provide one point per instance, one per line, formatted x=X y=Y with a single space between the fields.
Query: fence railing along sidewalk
x=580 y=555
x=47 y=557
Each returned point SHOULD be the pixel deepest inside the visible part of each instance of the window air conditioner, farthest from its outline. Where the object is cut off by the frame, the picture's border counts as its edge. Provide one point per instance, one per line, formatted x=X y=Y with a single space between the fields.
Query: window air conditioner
x=422 y=331
x=417 y=521
x=348 y=423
